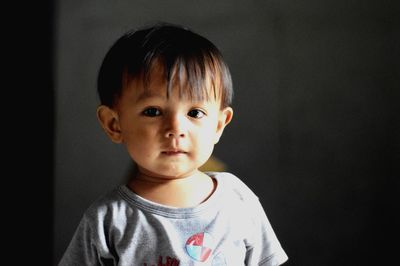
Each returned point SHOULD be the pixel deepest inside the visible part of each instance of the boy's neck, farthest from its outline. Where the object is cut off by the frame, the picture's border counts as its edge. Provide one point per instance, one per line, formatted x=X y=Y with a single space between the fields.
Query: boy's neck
x=184 y=192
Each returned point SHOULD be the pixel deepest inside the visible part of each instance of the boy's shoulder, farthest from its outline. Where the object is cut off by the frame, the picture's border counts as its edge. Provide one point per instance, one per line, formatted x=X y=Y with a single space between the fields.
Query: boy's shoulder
x=233 y=183
x=110 y=201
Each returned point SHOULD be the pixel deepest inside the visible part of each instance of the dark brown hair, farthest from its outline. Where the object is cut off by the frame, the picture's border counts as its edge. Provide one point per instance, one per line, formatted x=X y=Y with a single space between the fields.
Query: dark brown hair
x=184 y=56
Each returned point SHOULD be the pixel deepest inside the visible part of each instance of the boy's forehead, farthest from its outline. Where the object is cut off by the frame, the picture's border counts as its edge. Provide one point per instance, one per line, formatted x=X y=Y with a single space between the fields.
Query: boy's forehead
x=143 y=94
x=161 y=91
x=138 y=93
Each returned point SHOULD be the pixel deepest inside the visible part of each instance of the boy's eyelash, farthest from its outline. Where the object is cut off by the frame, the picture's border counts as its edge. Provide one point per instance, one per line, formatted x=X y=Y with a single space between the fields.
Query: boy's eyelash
x=197 y=113
x=155 y=111
x=151 y=112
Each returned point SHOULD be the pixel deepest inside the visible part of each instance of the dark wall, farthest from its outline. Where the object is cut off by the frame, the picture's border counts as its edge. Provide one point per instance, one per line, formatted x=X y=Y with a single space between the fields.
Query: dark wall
x=315 y=131
x=337 y=131
x=330 y=128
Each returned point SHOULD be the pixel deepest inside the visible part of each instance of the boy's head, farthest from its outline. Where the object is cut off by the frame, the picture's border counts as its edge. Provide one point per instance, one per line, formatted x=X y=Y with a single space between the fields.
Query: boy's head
x=165 y=94
x=184 y=56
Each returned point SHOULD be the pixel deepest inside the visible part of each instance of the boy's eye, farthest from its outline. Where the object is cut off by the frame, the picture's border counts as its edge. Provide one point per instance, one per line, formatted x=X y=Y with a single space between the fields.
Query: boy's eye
x=196 y=113
x=152 y=111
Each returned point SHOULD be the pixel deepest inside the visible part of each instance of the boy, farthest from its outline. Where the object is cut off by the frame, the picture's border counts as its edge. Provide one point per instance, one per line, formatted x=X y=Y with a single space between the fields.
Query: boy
x=165 y=95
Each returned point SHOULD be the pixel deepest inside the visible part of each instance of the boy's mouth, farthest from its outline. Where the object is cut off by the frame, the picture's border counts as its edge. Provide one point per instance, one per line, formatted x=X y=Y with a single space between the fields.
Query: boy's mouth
x=173 y=152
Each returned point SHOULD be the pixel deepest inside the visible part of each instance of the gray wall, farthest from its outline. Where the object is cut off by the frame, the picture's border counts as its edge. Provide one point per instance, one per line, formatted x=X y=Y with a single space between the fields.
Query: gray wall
x=314 y=130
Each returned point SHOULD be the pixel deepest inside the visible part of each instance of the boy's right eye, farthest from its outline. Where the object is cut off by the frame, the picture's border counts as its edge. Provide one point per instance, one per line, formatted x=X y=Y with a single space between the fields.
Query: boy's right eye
x=152 y=111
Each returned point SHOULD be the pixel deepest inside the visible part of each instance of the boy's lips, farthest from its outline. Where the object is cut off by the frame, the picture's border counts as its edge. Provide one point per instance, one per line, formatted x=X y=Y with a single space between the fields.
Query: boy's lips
x=173 y=152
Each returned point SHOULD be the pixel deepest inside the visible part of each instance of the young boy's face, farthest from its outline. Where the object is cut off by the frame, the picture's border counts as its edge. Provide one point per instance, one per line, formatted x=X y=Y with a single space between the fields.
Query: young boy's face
x=168 y=137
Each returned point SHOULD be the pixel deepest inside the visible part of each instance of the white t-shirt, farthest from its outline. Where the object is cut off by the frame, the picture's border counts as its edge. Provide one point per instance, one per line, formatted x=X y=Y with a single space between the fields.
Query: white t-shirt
x=229 y=228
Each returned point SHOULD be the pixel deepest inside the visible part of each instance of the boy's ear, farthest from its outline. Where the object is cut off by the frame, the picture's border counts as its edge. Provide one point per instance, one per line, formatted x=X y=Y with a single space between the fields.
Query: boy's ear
x=109 y=121
x=224 y=119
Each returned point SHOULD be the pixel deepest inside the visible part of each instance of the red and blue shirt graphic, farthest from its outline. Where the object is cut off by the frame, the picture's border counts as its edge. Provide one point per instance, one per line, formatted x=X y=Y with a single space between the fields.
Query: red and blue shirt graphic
x=199 y=246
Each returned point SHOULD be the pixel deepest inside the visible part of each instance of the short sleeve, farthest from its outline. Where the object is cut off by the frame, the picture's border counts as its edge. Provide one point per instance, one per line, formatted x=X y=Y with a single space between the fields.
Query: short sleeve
x=80 y=250
x=264 y=247
x=88 y=246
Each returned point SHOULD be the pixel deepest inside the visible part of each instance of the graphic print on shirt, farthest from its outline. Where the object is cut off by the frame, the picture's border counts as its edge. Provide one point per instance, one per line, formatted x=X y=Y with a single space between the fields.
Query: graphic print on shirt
x=199 y=246
x=169 y=261
x=219 y=260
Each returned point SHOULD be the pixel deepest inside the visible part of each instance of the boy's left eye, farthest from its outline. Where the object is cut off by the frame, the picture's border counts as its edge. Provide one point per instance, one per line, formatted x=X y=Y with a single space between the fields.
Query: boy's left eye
x=196 y=113
x=151 y=112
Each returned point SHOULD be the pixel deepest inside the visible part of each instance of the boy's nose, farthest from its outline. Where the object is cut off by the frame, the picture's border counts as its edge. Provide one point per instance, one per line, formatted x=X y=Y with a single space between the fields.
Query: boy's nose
x=176 y=127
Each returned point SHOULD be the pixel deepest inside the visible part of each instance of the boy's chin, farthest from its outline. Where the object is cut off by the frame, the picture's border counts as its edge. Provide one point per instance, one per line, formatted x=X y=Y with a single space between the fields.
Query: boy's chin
x=168 y=174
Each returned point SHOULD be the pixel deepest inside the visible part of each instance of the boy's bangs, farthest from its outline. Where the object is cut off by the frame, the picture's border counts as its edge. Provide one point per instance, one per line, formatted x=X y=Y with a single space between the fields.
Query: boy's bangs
x=196 y=77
